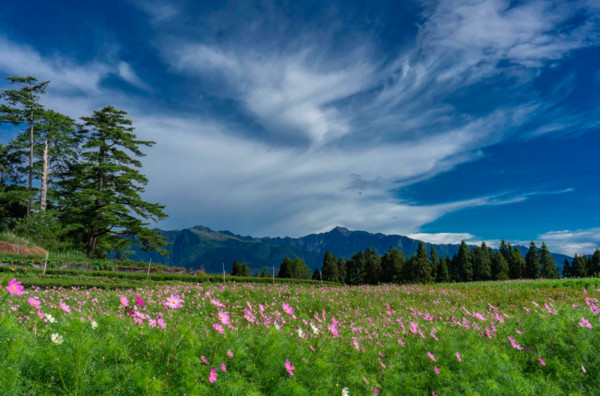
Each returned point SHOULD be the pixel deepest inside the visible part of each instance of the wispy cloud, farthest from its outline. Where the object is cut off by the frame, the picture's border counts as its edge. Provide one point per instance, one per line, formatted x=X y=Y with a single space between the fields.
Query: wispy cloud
x=571 y=242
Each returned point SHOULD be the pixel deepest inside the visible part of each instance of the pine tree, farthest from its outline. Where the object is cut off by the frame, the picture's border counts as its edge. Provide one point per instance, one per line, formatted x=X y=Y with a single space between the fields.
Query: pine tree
x=299 y=269
x=505 y=250
x=236 y=269
x=341 y=264
x=330 y=268
x=532 y=262
x=566 y=269
x=516 y=264
x=500 y=270
x=435 y=263
x=13 y=196
x=24 y=109
x=264 y=273
x=373 y=272
x=285 y=268
x=442 y=274
x=464 y=263
x=244 y=270
x=422 y=266
x=391 y=264
x=594 y=264
x=547 y=264
x=578 y=267
x=355 y=267
x=481 y=263
x=105 y=203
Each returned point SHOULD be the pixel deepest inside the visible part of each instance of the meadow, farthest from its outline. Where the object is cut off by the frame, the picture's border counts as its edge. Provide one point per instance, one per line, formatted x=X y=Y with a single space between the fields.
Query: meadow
x=513 y=337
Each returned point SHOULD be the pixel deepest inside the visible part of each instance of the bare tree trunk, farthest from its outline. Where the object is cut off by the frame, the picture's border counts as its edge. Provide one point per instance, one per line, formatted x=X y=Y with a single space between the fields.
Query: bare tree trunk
x=30 y=184
x=44 y=191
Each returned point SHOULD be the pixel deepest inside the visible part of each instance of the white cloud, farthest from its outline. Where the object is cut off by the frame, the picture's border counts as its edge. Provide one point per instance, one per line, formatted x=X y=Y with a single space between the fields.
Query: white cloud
x=442 y=238
x=571 y=242
x=129 y=75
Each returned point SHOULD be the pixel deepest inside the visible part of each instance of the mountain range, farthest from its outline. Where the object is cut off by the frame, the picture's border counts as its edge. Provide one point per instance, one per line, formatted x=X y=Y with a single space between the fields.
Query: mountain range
x=200 y=247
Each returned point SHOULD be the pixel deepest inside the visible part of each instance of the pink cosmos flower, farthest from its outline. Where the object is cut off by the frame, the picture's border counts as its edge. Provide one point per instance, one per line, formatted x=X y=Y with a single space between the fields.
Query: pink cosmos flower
x=124 y=301
x=223 y=368
x=34 y=302
x=64 y=307
x=431 y=356
x=15 y=288
x=174 y=302
x=401 y=341
x=542 y=361
x=161 y=323
x=583 y=369
x=333 y=329
x=287 y=309
x=595 y=310
x=288 y=366
x=139 y=300
x=514 y=344
x=437 y=370
x=218 y=328
x=229 y=354
x=458 y=357
x=224 y=317
x=204 y=360
x=212 y=377
x=585 y=323
x=518 y=331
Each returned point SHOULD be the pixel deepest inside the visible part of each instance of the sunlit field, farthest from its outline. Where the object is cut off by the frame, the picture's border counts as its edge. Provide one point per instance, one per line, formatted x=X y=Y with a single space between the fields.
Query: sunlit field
x=527 y=337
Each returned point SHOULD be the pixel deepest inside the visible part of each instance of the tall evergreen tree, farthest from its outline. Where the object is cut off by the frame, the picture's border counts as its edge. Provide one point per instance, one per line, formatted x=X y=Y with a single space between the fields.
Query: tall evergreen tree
x=566 y=269
x=594 y=264
x=330 y=267
x=516 y=264
x=236 y=268
x=264 y=273
x=464 y=263
x=341 y=264
x=578 y=267
x=13 y=196
x=500 y=269
x=356 y=268
x=300 y=269
x=244 y=270
x=547 y=264
x=285 y=268
x=435 y=263
x=373 y=272
x=532 y=262
x=105 y=202
x=481 y=263
x=392 y=263
x=25 y=109
x=505 y=250
x=442 y=274
x=422 y=266
x=316 y=274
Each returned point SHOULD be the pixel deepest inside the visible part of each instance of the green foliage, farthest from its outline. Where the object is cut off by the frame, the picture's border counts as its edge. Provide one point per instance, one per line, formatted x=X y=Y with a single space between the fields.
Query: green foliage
x=392 y=264
x=578 y=267
x=516 y=263
x=330 y=267
x=464 y=263
x=532 y=262
x=547 y=265
x=44 y=229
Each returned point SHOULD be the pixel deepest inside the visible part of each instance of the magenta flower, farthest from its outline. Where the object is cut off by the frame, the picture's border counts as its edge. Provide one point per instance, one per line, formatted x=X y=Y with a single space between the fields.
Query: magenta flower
x=218 y=328
x=64 y=307
x=585 y=323
x=223 y=368
x=287 y=309
x=431 y=356
x=288 y=366
x=161 y=323
x=514 y=344
x=458 y=357
x=333 y=329
x=542 y=361
x=437 y=370
x=124 y=301
x=139 y=300
x=174 y=302
x=34 y=302
x=15 y=288
x=204 y=360
x=212 y=377
x=224 y=318
x=229 y=354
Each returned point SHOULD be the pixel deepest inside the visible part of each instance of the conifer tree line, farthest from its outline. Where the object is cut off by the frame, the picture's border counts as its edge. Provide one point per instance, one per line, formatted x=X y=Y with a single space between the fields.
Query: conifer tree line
x=479 y=263
x=70 y=184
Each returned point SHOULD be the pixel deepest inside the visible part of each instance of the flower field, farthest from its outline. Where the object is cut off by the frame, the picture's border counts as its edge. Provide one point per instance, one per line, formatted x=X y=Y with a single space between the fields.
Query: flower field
x=525 y=337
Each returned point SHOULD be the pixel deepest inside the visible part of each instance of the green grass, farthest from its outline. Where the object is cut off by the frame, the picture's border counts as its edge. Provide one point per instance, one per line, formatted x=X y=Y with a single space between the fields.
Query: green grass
x=122 y=357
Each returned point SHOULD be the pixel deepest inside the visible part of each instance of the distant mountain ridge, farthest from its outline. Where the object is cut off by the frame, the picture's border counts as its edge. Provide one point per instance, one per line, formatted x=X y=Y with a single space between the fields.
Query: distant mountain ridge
x=200 y=247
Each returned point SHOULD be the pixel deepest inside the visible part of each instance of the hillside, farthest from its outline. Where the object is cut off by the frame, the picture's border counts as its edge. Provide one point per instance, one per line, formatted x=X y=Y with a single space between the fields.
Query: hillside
x=201 y=247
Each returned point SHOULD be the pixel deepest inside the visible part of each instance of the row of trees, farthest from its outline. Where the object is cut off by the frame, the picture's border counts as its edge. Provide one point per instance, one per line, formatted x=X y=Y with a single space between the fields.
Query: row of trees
x=475 y=264
x=76 y=185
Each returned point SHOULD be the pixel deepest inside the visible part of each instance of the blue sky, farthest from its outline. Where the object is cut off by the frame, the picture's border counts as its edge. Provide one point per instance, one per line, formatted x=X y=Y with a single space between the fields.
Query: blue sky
x=450 y=120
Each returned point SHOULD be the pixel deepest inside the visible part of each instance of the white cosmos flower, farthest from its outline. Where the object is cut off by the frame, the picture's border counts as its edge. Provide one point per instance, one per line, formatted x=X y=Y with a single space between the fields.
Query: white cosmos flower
x=345 y=392
x=56 y=338
x=300 y=332
x=50 y=318
x=94 y=324
x=314 y=329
